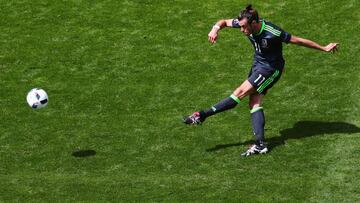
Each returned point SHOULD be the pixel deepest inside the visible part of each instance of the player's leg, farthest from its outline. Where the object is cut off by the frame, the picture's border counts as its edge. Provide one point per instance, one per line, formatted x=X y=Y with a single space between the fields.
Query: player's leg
x=228 y=103
x=263 y=82
x=258 y=124
x=257 y=117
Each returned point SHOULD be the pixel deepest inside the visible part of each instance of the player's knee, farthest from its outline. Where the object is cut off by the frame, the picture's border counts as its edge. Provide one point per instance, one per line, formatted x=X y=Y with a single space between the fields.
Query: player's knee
x=255 y=101
x=239 y=93
x=253 y=105
x=244 y=90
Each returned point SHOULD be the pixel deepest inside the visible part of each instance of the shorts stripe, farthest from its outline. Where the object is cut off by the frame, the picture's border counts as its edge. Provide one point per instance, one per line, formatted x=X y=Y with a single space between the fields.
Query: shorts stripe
x=267 y=82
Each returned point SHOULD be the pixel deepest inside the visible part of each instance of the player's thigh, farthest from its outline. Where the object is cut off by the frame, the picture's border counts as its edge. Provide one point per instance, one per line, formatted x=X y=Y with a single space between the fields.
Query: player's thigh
x=262 y=79
x=245 y=89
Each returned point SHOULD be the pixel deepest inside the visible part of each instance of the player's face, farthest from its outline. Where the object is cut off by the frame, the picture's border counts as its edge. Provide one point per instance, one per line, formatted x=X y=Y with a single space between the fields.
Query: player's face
x=245 y=27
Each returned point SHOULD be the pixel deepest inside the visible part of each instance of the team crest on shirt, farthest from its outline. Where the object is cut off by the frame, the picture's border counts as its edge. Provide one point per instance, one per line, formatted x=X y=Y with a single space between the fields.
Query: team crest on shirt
x=264 y=43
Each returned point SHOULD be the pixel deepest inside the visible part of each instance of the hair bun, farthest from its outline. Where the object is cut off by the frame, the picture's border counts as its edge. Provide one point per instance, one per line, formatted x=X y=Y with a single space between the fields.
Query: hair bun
x=249 y=7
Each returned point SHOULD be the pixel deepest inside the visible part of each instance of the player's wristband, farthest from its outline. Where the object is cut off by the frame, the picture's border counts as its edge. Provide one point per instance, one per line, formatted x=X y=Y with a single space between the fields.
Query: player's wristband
x=216 y=27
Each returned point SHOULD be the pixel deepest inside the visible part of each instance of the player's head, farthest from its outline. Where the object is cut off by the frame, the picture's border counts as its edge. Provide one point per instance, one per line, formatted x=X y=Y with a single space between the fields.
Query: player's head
x=248 y=18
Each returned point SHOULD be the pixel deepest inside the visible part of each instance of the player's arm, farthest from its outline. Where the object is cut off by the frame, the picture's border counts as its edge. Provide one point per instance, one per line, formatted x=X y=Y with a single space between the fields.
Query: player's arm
x=217 y=27
x=308 y=43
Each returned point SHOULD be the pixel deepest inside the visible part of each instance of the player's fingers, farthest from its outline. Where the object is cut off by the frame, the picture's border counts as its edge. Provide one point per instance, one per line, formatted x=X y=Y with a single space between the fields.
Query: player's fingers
x=331 y=50
x=213 y=39
x=334 y=50
x=335 y=47
x=330 y=47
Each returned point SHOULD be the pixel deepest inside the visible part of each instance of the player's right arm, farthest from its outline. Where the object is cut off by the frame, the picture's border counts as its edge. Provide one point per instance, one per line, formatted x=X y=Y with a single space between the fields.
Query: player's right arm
x=213 y=34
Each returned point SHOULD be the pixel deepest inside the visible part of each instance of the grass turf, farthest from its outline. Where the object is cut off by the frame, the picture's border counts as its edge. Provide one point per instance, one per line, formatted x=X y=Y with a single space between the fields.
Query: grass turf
x=121 y=74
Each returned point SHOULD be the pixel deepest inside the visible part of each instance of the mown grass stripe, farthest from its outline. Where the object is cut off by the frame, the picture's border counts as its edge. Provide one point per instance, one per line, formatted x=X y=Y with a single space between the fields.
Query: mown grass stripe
x=121 y=91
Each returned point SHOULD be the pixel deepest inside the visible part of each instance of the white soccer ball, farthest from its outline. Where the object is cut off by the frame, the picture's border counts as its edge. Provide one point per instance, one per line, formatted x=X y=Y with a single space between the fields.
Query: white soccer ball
x=37 y=98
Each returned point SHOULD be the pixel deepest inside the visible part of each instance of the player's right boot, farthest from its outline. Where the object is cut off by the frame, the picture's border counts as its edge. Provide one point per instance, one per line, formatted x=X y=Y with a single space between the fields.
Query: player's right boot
x=194 y=119
x=256 y=149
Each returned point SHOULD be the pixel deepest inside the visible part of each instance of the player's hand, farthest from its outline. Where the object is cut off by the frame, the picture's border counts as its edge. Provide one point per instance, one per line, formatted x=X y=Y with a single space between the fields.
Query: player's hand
x=212 y=36
x=332 y=47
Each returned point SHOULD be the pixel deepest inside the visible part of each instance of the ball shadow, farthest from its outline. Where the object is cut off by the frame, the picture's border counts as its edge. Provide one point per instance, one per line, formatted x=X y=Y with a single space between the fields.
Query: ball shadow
x=84 y=153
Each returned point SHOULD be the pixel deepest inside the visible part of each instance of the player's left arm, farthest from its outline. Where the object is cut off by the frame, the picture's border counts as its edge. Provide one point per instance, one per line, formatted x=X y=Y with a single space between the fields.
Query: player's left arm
x=332 y=47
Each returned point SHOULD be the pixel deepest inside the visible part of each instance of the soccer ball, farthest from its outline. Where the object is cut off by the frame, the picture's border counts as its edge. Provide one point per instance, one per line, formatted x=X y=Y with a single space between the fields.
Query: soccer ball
x=37 y=98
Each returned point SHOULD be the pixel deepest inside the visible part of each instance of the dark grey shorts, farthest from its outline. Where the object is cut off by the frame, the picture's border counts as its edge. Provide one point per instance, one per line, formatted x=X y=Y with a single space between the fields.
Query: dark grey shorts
x=263 y=79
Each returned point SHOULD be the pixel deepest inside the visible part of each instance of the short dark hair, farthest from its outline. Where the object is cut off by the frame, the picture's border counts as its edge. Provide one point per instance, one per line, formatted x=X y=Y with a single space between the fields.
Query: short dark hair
x=249 y=13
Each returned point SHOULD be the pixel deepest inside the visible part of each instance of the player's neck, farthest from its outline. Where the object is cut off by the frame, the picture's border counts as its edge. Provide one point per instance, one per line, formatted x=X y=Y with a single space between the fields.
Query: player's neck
x=257 y=27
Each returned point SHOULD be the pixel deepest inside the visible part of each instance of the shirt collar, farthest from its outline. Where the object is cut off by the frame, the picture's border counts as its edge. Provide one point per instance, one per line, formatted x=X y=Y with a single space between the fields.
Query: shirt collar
x=262 y=28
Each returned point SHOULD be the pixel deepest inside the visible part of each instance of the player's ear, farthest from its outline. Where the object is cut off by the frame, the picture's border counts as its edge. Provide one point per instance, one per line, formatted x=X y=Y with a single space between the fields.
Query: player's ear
x=252 y=23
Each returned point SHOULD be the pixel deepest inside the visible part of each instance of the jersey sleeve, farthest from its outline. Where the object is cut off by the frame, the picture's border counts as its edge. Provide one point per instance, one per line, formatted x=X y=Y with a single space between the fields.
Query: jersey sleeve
x=285 y=36
x=235 y=23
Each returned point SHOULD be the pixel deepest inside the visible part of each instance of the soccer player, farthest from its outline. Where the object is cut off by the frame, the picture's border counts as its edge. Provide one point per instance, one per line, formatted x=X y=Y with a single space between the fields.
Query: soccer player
x=266 y=70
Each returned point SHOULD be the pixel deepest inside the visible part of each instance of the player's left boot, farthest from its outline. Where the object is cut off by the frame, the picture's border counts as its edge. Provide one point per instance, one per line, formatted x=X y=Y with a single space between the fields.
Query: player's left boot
x=256 y=149
x=194 y=119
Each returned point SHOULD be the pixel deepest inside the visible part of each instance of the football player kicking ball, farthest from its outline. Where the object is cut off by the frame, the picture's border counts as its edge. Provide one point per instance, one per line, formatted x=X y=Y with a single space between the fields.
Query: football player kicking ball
x=266 y=70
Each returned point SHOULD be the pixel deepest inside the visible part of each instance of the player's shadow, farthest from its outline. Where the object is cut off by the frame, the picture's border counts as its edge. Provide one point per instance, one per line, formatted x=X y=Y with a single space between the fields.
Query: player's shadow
x=301 y=129
x=84 y=153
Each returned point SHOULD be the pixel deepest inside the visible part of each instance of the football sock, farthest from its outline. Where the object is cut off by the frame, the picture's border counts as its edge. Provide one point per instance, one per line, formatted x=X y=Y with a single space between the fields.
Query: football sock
x=223 y=105
x=258 y=123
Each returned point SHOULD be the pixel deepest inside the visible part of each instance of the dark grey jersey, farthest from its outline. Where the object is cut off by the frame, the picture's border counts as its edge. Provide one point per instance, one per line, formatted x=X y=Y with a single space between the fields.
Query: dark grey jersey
x=268 y=44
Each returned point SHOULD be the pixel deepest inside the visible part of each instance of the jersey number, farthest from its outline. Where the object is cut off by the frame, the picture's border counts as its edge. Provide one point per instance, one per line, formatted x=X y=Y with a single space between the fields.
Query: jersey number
x=257 y=47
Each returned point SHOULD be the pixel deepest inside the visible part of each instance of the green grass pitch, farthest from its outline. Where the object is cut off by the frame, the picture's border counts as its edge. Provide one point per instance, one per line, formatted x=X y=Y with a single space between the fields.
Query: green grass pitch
x=121 y=74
